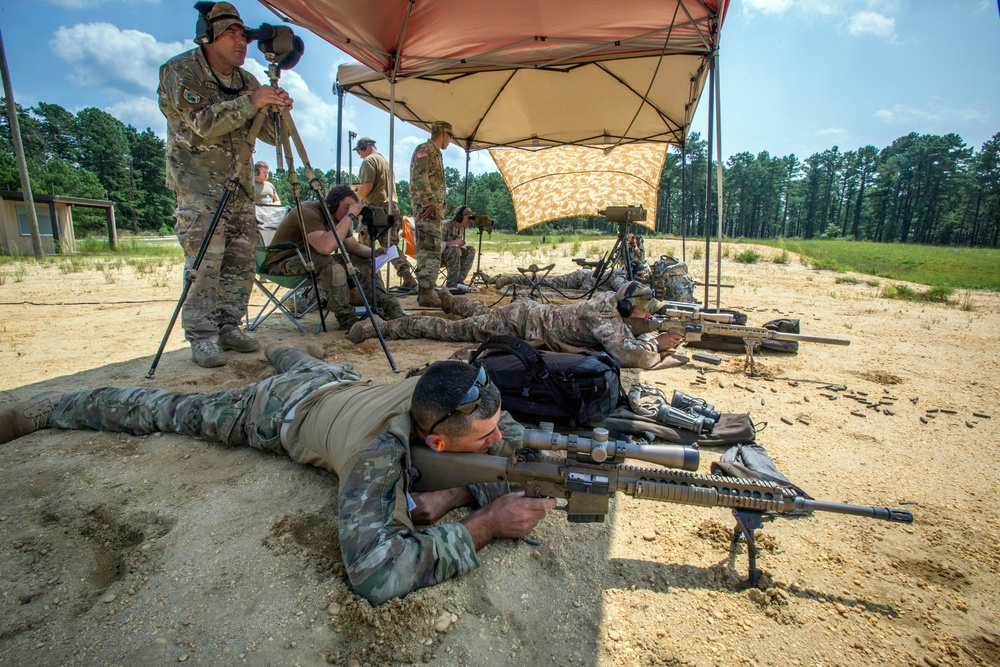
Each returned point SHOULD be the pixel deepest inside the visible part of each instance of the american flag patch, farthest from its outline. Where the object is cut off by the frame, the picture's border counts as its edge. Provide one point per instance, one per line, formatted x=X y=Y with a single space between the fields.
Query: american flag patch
x=422 y=154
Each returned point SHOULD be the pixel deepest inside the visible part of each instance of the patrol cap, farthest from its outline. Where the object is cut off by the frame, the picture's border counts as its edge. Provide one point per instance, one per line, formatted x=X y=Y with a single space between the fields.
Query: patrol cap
x=639 y=296
x=363 y=142
x=461 y=212
x=442 y=126
x=221 y=16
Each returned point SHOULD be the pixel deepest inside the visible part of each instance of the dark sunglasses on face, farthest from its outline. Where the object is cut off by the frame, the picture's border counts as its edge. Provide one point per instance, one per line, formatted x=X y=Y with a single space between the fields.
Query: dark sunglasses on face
x=470 y=400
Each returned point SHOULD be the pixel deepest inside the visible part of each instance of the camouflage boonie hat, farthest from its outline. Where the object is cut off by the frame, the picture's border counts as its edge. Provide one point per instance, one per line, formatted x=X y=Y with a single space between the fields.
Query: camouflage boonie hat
x=221 y=16
x=639 y=296
x=442 y=126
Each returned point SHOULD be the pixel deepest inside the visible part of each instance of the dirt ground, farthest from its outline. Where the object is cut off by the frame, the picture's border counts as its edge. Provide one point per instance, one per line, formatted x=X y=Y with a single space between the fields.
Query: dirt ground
x=121 y=550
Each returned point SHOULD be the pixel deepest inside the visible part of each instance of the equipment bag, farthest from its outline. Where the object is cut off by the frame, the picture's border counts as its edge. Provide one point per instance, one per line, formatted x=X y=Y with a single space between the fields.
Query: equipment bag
x=568 y=389
x=670 y=280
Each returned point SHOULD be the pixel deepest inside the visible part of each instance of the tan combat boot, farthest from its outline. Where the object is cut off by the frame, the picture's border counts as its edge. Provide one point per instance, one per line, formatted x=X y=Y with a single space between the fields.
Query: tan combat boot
x=428 y=297
x=24 y=417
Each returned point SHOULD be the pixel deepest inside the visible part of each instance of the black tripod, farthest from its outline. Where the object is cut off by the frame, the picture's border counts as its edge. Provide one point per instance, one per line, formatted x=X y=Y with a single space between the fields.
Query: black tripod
x=286 y=134
x=620 y=252
x=478 y=275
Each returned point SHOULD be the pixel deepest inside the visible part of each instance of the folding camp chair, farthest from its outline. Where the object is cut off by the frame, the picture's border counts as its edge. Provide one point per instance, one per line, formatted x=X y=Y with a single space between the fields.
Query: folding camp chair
x=291 y=294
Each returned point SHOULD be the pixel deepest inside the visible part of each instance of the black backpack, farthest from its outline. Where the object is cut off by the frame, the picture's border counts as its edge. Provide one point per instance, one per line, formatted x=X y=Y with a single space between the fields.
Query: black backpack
x=568 y=389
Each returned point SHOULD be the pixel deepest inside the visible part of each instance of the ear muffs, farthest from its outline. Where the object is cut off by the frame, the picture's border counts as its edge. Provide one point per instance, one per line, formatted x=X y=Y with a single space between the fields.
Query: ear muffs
x=625 y=304
x=203 y=33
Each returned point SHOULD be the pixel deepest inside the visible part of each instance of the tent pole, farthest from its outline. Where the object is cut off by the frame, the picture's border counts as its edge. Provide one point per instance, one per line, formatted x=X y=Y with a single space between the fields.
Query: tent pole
x=683 y=203
x=718 y=179
x=708 y=177
x=339 y=92
x=468 y=154
x=392 y=142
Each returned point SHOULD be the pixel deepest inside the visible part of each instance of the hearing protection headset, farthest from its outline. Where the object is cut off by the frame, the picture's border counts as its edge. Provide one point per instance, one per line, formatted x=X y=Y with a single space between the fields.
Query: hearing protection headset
x=625 y=303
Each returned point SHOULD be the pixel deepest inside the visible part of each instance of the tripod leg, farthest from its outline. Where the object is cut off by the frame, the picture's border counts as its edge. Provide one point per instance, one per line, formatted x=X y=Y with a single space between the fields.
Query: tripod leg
x=289 y=130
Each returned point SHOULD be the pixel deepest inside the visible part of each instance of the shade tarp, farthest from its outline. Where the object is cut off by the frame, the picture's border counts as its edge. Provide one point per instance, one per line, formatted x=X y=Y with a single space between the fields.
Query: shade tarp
x=525 y=72
x=568 y=181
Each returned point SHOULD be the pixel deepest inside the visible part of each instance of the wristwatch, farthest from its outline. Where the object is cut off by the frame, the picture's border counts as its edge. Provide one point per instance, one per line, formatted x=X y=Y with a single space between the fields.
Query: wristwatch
x=352 y=216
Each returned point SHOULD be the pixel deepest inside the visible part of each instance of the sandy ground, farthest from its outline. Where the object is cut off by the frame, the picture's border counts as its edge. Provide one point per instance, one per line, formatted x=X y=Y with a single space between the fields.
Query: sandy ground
x=121 y=550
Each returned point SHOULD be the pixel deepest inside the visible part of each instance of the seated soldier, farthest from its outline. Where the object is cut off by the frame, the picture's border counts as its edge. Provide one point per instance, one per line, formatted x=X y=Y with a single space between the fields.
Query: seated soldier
x=455 y=254
x=323 y=415
x=331 y=269
x=581 y=279
x=595 y=323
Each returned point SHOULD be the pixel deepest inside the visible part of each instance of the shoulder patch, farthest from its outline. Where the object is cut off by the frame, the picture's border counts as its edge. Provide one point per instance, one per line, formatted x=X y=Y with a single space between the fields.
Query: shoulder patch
x=422 y=154
x=191 y=97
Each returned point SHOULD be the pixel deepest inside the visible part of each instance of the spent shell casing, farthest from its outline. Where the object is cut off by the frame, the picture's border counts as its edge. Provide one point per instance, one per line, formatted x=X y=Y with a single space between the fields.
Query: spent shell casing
x=981 y=415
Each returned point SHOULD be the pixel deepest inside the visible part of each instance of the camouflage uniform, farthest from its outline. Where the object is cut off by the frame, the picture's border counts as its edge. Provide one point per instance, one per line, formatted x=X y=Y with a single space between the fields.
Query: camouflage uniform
x=375 y=170
x=581 y=279
x=457 y=259
x=206 y=143
x=594 y=323
x=384 y=554
x=426 y=188
x=331 y=271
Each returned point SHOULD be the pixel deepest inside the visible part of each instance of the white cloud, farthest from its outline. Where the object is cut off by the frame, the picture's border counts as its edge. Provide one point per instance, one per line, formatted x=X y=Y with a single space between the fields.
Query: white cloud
x=933 y=112
x=872 y=23
x=769 y=6
x=833 y=132
x=87 y=4
x=102 y=55
x=140 y=113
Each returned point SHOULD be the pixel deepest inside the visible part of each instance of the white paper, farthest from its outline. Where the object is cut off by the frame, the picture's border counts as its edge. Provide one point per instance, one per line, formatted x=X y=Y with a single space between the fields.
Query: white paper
x=391 y=254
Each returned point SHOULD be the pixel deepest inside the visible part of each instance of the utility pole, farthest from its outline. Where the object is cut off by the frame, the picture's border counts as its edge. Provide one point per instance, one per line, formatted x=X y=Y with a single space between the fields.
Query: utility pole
x=22 y=166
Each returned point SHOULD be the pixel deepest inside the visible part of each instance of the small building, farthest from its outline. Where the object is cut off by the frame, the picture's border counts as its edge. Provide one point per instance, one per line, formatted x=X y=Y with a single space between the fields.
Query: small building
x=15 y=230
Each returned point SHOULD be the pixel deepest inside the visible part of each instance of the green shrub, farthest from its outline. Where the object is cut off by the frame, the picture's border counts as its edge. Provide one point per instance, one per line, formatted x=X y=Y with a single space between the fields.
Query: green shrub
x=850 y=280
x=748 y=256
x=781 y=259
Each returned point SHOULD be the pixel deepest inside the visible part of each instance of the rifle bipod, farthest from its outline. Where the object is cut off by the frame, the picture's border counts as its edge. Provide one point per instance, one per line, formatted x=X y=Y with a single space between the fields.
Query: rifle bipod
x=746 y=523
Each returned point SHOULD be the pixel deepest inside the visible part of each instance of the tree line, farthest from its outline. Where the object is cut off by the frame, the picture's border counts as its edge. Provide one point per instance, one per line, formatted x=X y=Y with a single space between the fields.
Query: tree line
x=920 y=189
x=91 y=154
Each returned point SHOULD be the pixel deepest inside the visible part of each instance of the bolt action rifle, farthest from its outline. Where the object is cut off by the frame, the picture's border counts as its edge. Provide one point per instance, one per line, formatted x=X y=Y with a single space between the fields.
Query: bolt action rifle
x=695 y=325
x=593 y=470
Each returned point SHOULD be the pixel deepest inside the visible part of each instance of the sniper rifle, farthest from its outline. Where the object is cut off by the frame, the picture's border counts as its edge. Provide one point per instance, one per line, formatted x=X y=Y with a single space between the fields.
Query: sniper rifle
x=695 y=325
x=593 y=470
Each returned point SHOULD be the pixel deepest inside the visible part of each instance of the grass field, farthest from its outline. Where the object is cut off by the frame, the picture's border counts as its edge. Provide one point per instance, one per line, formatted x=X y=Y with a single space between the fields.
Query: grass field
x=937 y=266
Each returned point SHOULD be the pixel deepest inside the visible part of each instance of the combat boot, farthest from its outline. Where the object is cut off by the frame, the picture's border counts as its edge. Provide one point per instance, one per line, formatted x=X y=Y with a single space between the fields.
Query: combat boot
x=363 y=329
x=234 y=338
x=24 y=417
x=445 y=296
x=428 y=297
x=408 y=281
x=207 y=353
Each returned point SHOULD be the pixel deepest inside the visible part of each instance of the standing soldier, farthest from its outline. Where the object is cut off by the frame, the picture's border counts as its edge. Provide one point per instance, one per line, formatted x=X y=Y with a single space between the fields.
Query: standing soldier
x=210 y=102
x=374 y=177
x=427 y=196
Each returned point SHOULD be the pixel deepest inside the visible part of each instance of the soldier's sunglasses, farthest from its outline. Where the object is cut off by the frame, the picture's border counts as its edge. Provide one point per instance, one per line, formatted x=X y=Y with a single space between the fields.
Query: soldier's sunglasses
x=470 y=400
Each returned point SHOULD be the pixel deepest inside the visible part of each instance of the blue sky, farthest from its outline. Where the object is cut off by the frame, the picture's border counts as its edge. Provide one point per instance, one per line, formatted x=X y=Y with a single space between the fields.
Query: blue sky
x=797 y=76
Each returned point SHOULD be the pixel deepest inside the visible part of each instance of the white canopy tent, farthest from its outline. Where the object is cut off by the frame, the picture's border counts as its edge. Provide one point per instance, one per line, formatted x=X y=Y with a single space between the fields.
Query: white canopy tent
x=530 y=73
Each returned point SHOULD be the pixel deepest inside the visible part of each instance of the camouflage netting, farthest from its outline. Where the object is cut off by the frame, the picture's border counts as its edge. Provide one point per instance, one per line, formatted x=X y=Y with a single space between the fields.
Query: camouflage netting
x=567 y=181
